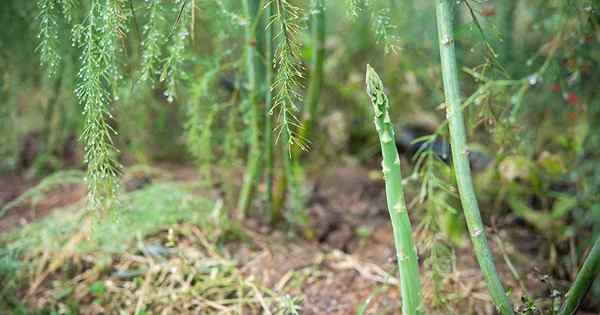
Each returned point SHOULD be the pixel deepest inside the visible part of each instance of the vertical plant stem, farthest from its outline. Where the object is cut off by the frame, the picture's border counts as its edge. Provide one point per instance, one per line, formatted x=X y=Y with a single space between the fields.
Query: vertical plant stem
x=508 y=17
x=49 y=132
x=444 y=14
x=589 y=271
x=410 y=283
x=268 y=117
x=251 y=8
x=316 y=68
x=279 y=197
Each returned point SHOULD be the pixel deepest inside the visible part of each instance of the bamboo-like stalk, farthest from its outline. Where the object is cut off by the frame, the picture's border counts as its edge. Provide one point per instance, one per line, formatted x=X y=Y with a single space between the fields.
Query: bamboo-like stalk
x=253 y=72
x=444 y=14
x=589 y=271
x=410 y=283
x=316 y=68
x=268 y=141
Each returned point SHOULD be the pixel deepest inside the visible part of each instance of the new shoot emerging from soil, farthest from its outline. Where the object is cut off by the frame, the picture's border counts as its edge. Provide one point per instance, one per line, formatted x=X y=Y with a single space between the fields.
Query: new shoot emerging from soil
x=410 y=283
x=583 y=283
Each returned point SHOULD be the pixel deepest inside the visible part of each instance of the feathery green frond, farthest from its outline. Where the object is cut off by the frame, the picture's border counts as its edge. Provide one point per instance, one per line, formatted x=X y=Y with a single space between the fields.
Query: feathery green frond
x=172 y=70
x=98 y=37
x=152 y=42
x=286 y=84
x=201 y=115
x=67 y=8
x=384 y=31
x=353 y=8
x=48 y=35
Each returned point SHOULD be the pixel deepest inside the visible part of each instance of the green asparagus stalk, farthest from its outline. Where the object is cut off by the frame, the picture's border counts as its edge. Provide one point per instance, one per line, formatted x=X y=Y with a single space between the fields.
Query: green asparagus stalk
x=410 y=283
x=444 y=14
x=589 y=271
x=253 y=72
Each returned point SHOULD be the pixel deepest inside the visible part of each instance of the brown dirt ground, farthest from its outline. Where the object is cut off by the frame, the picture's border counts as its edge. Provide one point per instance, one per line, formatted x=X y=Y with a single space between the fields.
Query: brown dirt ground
x=339 y=270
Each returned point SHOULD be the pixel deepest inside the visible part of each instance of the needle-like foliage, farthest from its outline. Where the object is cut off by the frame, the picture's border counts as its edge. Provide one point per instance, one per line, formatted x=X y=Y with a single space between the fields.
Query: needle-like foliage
x=172 y=70
x=152 y=42
x=48 y=35
x=385 y=31
x=286 y=84
x=98 y=38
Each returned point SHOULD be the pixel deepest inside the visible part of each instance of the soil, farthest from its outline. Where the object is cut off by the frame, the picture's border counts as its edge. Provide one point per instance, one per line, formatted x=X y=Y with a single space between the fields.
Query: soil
x=12 y=186
x=351 y=259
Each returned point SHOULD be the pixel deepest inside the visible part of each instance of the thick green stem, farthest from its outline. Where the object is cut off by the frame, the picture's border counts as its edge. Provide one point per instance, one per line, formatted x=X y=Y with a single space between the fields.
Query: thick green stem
x=410 y=283
x=583 y=282
x=460 y=160
x=316 y=68
x=253 y=72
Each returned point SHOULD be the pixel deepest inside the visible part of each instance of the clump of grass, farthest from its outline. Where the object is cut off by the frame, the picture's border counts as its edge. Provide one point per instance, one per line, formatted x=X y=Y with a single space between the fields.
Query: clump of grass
x=147 y=211
x=408 y=265
x=166 y=243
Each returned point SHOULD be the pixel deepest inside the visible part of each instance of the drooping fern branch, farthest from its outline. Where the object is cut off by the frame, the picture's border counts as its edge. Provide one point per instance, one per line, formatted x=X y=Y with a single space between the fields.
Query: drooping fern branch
x=48 y=35
x=385 y=31
x=98 y=38
x=67 y=7
x=201 y=114
x=152 y=42
x=286 y=84
x=172 y=70
x=353 y=8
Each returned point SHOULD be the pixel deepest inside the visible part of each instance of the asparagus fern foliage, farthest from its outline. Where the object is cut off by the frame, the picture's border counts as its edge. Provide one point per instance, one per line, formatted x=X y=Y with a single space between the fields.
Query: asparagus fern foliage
x=98 y=38
x=48 y=46
x=286 y=84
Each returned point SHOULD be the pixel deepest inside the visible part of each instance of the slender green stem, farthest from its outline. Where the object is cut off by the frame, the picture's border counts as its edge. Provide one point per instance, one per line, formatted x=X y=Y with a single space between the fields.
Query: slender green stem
x=49 y=132
x=253 y=73
x=508 y=16
x=316 y=68
x=589 y=271
x=268 y=141
x=410 y=283
x=444 y=13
